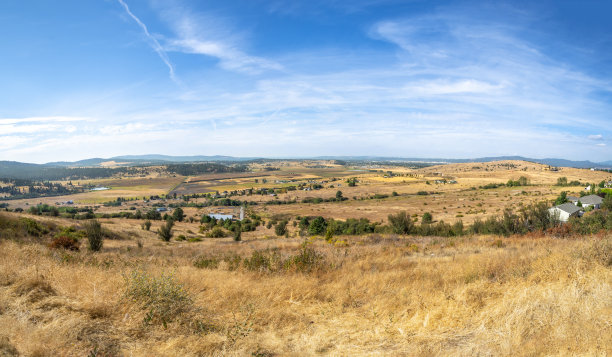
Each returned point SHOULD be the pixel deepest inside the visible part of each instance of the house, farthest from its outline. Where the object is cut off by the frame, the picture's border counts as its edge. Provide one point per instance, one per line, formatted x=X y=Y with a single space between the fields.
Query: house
x=591 y=201
x=573 y=199
x=565 y=211
x=221 y=216
x=161 y=209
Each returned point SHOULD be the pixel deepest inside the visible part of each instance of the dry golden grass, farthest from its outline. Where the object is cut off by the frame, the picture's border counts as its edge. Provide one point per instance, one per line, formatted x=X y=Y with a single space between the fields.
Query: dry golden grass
x=384 y=295
x=373 y=295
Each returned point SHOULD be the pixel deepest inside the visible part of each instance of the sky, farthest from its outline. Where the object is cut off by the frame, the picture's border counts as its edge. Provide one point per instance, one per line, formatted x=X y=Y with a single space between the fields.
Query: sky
x=270 y=78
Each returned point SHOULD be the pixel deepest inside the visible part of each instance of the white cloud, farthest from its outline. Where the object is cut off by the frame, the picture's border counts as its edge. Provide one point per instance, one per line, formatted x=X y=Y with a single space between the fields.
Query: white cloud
x=203 y=35
x=7 y=121
x=438 y=87
x=595 y=137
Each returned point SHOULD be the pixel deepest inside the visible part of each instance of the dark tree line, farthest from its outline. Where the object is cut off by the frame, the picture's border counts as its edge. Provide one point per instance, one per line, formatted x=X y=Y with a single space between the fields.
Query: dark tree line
x=204 y=168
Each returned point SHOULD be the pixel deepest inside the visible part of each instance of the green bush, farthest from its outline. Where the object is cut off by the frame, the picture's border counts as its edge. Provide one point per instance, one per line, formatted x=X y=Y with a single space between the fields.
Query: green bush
x=401 y=223
x=217 y=232
x=93 y=230
x=206 y=263
x=307 y=260
x=165 y=231
x=281 y=227
x=32 y=227
x=263 y=260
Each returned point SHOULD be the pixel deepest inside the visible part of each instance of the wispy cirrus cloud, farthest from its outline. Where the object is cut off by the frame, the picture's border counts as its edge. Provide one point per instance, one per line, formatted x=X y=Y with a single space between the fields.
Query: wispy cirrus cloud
x=7 y=121
x=204 y=35
x=201 y=34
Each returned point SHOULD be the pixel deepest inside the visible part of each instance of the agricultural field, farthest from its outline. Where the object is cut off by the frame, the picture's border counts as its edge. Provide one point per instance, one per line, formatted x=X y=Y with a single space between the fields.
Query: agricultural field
x=309 y=271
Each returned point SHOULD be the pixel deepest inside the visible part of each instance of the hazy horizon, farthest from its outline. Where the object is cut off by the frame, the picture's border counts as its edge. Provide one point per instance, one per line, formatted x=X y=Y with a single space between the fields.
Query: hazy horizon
x=317 y=157
x=283 y=79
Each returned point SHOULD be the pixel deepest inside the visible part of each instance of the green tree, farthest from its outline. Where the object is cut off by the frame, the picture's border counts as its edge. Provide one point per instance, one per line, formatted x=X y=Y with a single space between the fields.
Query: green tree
x=317 y=226
x=561 y=199
x=427 y=218
x=178 y=214
x=339 y=195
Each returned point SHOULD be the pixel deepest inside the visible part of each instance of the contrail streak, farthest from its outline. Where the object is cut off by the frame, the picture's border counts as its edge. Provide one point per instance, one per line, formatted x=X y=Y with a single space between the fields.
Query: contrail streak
x=154 y=43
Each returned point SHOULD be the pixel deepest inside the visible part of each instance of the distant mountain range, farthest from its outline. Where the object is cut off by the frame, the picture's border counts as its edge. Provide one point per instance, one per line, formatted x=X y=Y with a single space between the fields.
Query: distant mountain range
x=146 y=159
x=552 y=162
x=130 y=160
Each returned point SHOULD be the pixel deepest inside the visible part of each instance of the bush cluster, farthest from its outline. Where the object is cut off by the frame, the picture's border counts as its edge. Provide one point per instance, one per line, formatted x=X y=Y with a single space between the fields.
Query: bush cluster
x=306 y=260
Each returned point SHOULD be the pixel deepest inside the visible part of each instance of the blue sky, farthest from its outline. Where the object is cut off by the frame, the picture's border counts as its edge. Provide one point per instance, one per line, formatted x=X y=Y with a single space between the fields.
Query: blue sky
x=454 y=79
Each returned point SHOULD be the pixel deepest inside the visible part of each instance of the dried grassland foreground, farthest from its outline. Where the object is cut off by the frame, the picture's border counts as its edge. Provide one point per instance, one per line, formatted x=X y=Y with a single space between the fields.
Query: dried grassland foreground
x=375 y=294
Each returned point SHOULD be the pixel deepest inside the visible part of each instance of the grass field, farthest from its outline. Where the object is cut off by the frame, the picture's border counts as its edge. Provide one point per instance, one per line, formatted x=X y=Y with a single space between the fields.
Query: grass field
x=374 y=294
x=378 y=295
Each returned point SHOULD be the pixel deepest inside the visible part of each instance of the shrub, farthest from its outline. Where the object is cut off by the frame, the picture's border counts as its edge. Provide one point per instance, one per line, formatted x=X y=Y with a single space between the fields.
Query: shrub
x=217 y=232
x=32 y=227
x=307 y=260
x=281 y=228
x=93 y=230
x=165 y=231
x=146 y=225
x=263 y=260
x=427 y=218
x=162 y=296
x=401 y=223
x=206 y=263
x=64 y=242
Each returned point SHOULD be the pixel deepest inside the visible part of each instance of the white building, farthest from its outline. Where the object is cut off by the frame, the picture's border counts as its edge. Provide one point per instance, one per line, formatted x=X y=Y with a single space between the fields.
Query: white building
x=221 y=216
x=565 y=211
x=587 y=201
